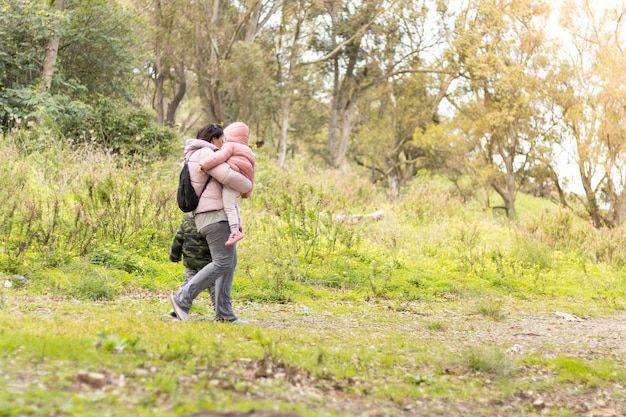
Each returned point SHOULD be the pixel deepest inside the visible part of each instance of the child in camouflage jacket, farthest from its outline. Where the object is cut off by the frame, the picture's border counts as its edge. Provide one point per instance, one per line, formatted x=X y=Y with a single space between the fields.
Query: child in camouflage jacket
x=193 y=249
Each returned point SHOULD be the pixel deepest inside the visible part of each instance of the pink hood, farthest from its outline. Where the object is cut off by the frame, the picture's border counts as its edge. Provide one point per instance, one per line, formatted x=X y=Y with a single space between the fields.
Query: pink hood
x=238 y=132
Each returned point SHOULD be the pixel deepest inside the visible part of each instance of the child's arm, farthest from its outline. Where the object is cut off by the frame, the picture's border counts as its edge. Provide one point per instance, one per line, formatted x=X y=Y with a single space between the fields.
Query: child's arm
x=216 y=158
x=176 y=250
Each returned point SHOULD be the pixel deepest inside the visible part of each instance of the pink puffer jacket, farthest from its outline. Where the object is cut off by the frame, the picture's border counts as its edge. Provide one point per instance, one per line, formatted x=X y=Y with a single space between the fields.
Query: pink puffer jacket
x=235 y=152
x=197 y=150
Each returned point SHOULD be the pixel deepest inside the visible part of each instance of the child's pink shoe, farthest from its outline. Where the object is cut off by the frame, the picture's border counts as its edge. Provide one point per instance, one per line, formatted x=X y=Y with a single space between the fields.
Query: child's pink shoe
x=234 y=238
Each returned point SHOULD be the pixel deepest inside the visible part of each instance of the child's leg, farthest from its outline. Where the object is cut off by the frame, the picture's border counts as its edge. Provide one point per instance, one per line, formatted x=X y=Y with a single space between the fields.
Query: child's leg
x=229 y=196
x=189 y=273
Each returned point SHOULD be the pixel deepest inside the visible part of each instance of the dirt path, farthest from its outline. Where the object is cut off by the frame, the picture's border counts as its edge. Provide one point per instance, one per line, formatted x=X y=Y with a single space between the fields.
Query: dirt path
x=551 y=334
x=517 y=334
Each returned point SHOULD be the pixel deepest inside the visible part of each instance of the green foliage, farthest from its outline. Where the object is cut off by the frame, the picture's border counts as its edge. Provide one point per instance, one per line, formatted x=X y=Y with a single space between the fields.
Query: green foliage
x=21 y=106
x=251 y=91
x=579 y=371
x=65 y=203
x=112 y=257
x=113 y=343
x=112 y=124
x=89 y=100
x=558 y=229
x=94 y=288
x=95 y=226
x=269 y=346
x=23 y=34
x=302 y=235
x=490 y=361
x=120 y=129
x=94 y=59
x=491 y=309
x=97 y=51
x=437 y=326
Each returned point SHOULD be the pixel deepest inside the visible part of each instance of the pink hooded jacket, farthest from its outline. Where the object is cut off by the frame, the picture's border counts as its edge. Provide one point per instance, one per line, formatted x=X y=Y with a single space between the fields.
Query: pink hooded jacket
x=235 y=152
x=197 y=150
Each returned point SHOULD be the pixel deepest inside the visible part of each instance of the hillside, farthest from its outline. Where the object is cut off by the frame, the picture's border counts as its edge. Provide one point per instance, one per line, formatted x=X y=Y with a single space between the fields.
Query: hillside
x=440 y=307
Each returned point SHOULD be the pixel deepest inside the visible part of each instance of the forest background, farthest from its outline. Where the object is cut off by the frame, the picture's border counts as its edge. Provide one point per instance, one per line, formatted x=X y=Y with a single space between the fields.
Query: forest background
x=408 y=152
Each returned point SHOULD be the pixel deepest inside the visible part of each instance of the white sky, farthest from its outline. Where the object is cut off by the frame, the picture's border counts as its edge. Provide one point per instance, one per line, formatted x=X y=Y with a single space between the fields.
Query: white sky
x=553 y=28
x=567 y=169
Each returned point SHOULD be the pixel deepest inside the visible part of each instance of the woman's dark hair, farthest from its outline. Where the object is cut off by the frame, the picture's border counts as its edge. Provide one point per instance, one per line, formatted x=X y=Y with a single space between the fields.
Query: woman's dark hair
x=210 y=132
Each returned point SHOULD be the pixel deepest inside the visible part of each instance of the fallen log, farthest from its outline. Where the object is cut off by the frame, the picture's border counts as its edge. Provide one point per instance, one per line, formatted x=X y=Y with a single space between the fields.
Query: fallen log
x=356 y=218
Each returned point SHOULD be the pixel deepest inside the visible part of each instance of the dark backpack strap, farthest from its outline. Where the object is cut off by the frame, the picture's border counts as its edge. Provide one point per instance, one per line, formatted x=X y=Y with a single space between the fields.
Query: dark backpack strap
x=204 y=188
x=207 y=180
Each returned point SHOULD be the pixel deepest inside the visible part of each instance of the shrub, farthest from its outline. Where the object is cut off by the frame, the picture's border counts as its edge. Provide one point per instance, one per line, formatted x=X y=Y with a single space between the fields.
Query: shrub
x=120 y=129
x=66 y=200
x=558 y=229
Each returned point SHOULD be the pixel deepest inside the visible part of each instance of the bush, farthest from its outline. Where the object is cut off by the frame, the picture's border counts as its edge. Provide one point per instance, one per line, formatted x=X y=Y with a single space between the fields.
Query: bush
x=64 y=201
x=120 y=129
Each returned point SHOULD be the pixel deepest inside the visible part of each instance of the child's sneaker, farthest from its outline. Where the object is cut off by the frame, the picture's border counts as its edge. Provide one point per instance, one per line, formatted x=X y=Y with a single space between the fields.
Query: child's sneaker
x=234 y=238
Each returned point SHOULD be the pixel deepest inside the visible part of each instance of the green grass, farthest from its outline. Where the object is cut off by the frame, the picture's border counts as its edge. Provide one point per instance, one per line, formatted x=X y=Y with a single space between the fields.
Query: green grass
x=382 y=355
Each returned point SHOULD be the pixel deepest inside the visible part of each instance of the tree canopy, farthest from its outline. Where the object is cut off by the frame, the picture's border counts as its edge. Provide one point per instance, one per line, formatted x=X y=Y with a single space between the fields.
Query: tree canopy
x=475 y=91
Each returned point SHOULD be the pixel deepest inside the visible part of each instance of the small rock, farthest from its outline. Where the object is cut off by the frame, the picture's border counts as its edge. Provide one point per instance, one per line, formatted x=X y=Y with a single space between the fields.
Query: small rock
x=18 y=280
x=567 y=316
x=93 y=379
x=515 y=349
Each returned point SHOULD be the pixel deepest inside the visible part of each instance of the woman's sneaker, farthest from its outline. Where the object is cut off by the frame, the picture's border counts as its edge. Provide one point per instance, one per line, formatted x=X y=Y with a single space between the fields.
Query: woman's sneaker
x=236 y=321
x=180 y=313
x=234 y=238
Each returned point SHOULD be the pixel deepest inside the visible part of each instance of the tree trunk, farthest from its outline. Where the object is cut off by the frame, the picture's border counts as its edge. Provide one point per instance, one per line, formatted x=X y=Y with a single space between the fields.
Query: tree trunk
x=159 y=86
x=617 y=210
x=204 y=73
x=333 y=121
x=285 y=108
x=394 y=185
x=215 y=100
x=334 y=115
x=192 y=118
x=170 y=119
x=509 y=198
x=592 y=204
x=253 y=21
x=346 y=130
x=52 y=50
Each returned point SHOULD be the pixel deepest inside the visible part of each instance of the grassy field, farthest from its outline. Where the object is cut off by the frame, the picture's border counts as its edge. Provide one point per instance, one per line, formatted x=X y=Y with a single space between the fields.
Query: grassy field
x=440 y=307
x=327 y=357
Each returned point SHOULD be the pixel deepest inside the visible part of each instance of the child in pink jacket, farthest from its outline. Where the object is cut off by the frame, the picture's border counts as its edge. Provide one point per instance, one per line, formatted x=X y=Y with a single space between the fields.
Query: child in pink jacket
x=236 y=152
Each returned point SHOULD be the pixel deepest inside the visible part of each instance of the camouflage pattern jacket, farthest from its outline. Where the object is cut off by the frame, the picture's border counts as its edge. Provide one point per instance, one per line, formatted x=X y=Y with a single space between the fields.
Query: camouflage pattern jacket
x=189 y=245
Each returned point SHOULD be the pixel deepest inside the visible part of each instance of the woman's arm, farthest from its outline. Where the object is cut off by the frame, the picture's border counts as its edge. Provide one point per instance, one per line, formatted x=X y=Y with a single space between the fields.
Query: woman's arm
x=228 y=176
